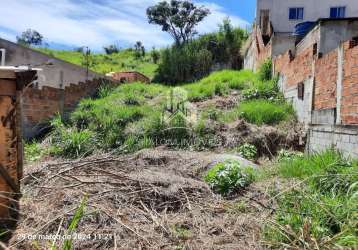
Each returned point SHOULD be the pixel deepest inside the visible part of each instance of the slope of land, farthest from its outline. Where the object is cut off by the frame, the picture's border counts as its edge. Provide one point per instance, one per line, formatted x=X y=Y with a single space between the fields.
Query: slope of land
x=124 y=60
x=141 y=187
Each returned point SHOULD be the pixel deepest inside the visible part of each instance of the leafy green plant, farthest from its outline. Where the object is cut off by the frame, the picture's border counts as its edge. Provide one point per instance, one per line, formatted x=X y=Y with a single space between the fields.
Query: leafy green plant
x=68 y=243
x=286 y=155
x=229 y=176
x=263 y=90
x=248 y=151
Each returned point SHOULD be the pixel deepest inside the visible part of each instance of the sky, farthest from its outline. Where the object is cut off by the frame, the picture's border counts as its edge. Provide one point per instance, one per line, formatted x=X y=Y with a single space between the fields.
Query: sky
x=68 y=24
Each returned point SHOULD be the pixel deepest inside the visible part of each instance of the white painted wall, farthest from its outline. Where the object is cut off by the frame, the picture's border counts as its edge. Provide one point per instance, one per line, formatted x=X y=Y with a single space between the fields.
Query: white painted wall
x=313 y=10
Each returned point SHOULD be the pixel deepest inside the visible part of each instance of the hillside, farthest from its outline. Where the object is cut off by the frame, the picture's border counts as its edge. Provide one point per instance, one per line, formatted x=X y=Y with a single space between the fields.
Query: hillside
x=124 y=60
x=212 y=164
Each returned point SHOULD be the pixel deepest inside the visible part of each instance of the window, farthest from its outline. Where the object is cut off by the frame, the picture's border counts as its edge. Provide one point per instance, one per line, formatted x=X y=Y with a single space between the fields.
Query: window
x=301 y=91
x=338 y=12
x=296 y=14
x=2 y=57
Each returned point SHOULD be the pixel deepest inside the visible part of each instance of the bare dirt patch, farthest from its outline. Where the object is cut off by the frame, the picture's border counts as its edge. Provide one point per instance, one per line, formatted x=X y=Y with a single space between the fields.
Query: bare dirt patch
x=154 y=199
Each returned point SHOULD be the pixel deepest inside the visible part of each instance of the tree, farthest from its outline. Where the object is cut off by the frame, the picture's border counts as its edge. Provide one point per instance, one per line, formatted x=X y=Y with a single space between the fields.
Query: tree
x=155 y=55
x=111 y=49
x=178 y=18
x=139 y=50
x=30 y=37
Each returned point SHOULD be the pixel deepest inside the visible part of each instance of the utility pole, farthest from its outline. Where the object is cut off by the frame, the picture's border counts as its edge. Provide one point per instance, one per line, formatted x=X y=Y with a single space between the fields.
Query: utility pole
x=87 y=61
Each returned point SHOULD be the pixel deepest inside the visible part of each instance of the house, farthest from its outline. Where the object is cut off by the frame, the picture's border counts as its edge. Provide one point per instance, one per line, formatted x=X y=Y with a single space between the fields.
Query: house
x=314 y=49
x=129 y=76
x=276 y=22
x=58 y=88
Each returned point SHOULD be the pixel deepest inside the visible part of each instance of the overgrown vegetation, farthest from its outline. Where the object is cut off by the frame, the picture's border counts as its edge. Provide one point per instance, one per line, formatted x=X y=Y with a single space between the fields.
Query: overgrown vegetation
x=265 y=112
x=228 y=177
x=321 y=210
x=136 y=116
x=196 y=58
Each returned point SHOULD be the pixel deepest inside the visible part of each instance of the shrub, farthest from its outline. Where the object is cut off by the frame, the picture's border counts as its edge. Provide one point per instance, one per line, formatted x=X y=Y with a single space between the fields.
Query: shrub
x=265 y=70
x=248 y=151
x=71 y=142
x=263 y=90
x=265 y=112
x=228 y=177
x=196 y=58
x=183 y=64
x=111 y=49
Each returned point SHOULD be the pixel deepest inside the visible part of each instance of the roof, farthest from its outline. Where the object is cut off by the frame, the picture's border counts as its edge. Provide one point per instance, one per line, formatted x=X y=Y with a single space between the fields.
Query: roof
x=129 y=72
x=19 y=68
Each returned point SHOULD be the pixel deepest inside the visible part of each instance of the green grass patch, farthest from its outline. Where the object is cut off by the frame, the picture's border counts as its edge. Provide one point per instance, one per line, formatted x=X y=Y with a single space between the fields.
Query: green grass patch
x=261 y=112
x=322 y=211
x=220 y=83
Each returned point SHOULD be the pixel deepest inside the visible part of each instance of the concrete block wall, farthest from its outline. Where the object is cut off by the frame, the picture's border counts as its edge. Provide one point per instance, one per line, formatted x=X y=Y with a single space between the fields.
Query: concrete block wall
x=343 y=138
x=303 y=107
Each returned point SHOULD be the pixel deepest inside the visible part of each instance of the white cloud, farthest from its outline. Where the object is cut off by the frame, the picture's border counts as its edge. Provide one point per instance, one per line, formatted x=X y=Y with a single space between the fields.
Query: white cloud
x=94 y=23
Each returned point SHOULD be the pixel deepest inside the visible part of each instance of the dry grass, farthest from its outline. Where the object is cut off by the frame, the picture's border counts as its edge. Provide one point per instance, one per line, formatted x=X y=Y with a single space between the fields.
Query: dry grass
x=154 y=199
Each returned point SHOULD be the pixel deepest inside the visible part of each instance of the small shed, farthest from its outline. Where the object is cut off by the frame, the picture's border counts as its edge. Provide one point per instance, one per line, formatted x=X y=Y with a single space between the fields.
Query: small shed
x=129 y=77
x=12 y=81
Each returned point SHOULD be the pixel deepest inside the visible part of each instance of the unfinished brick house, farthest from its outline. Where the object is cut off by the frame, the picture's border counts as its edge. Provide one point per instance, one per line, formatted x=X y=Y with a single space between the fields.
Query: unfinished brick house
x=129 y=76
x=318 y=70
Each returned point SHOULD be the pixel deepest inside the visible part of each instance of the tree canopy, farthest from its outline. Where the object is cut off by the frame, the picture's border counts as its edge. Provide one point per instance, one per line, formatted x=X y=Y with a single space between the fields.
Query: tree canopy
x=178 y=18
x=30 y=37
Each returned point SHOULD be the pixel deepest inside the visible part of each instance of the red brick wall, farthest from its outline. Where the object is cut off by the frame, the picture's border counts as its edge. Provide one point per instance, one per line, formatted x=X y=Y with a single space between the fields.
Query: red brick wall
x=258 y=51
x=39 y=105
x=262 y=52
x=325 y=72
x=296 y=70
x=349 y=101
x=326 y=81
